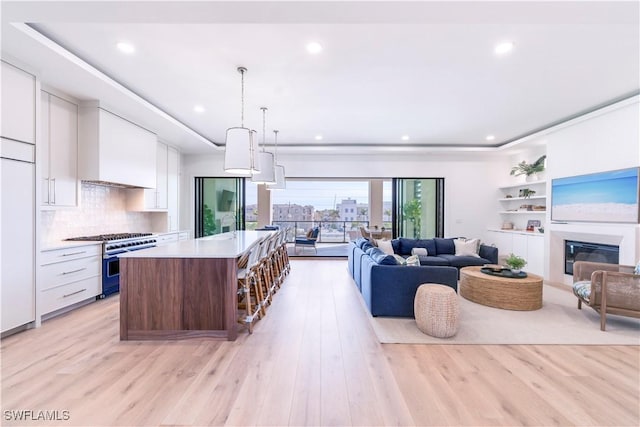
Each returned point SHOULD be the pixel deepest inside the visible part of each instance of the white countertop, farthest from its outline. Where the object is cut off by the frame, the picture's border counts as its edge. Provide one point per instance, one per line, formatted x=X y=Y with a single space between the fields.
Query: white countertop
x=225 y=245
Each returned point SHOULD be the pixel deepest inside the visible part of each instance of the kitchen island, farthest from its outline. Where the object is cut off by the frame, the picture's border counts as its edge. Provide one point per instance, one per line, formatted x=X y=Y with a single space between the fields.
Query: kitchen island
x=186 y=289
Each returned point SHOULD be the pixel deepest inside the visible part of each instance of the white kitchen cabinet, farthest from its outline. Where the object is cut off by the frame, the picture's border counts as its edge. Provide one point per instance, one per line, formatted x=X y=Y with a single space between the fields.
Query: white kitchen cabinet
x=528 y=245
x=115 y=150
x=156 y=198
x=173 y=189
x=17 y=202
x=70 y=275
x=58 y=147
x=18 y=104
x=164 y=197
x=166 y=238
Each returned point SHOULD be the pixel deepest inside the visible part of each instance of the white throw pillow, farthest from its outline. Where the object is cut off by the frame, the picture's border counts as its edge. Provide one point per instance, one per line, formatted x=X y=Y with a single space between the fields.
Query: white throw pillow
x=419 y=251
x=413 y=260
x=385 y=246
x=400 y=260
x=467 y=247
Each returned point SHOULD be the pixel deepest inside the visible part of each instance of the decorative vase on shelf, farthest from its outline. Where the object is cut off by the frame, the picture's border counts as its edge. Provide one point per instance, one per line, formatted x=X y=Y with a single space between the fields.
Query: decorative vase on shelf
x=532 y=178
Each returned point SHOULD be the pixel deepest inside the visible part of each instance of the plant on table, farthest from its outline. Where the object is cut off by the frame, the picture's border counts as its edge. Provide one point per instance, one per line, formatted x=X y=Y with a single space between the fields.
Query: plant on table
x=515 y=262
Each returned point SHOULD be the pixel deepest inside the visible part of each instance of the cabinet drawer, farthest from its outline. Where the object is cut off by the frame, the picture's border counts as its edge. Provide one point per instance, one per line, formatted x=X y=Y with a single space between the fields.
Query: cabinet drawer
x=68 y=254
x=61 y=273
x=71 y=293
x=164 y=239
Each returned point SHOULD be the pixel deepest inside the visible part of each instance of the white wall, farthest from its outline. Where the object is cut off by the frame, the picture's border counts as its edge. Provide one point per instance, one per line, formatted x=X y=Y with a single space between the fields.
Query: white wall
x=470 y=179
x=602 y=141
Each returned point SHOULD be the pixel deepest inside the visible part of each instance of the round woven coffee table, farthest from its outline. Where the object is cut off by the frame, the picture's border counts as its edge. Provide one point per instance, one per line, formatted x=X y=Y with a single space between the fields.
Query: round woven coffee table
x=501 y=292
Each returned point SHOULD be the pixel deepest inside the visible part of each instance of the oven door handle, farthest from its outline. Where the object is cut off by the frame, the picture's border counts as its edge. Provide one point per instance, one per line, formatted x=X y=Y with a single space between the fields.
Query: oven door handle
x=115 y=254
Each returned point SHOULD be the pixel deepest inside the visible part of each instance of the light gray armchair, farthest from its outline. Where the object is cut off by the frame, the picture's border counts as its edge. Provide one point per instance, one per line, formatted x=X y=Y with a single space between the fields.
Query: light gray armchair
x=607 y=288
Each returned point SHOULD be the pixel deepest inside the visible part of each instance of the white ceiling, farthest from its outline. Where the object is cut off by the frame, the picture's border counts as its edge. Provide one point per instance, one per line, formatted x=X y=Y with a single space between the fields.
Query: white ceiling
x=423 y=69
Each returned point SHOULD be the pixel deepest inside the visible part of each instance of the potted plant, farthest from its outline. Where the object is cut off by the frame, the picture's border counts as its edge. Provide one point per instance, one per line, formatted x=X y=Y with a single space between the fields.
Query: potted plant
x=529 y=169
x=413 y=211
x=515 y=263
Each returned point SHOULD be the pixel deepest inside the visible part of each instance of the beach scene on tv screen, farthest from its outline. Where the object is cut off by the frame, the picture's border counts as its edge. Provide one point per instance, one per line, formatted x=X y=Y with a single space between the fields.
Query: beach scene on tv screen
x=601 y=197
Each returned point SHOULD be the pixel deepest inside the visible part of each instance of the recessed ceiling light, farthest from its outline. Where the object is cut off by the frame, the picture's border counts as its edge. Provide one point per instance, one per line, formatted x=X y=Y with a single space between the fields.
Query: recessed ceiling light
x=405 y=137
x=198 y=109
x=314 y=47
x=490 y=138
x=126 y=47
x=503 y=47
x=318 y=137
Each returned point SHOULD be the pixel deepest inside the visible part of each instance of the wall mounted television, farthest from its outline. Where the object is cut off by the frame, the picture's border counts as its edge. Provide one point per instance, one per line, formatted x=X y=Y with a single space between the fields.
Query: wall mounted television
x=225 y=201
x=610 y=196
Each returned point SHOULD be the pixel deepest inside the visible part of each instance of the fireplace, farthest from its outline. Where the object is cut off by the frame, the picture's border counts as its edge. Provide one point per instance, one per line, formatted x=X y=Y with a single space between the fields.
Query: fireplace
x=588 y=251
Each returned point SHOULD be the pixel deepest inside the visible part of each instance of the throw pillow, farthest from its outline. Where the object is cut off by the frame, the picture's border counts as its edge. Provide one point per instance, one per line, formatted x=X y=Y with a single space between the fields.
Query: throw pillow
x=467 y=247
x=419 y=251
x=386 y=247
x=400 y=260
x=413 y=260
x=444 y=246
x=637 y=270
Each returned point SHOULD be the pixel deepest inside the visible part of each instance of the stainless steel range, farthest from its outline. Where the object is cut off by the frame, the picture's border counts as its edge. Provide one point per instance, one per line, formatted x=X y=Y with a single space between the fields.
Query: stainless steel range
x=112 y=246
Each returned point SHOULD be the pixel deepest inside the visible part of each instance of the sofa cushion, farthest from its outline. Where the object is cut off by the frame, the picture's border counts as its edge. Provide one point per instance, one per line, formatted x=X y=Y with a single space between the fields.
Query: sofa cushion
x=432 y=260
x=360 y=241
x=380 y=257
x=444 y=246
x=366 y=246
x=407 y=245
x=385 y=246
x=464 y=261
x=467 y=247
x=395 y=244
x=419 y=251
x=582 y=289
x=400 y=260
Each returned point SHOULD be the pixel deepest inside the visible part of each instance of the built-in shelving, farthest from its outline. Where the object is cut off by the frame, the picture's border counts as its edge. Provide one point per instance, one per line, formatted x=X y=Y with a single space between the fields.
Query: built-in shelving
x=516 y=209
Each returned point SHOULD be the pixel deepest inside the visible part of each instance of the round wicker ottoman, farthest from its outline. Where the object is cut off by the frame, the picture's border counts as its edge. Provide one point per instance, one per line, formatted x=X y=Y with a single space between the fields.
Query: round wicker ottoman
x=436 y=310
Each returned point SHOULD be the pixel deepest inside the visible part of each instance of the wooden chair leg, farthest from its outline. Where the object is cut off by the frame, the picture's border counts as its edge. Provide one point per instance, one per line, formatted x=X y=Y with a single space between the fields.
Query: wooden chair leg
x=579 y=304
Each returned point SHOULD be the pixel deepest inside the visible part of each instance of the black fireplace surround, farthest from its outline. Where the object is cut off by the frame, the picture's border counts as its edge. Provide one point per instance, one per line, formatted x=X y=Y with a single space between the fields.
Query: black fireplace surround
x=587 y=251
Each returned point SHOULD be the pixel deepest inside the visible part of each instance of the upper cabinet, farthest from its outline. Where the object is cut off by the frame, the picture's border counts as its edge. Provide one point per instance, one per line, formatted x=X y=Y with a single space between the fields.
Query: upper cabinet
x=58 y=148
x=18 y=104
x=164 y=197
x=115 y=150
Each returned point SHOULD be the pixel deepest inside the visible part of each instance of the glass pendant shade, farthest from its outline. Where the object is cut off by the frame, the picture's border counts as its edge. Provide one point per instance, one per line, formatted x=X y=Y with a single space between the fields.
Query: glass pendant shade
x=280 y=183
x=238 y=158
x=267 y=173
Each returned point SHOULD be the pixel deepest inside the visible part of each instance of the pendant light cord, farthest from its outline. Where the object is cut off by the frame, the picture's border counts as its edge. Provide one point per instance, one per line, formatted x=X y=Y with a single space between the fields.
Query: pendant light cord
x=275 y=151
x=242 y=70
x=264 y=126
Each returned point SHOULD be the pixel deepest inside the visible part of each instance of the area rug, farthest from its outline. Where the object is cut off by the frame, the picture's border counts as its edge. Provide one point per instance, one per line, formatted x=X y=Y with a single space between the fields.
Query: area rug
x=558 y=322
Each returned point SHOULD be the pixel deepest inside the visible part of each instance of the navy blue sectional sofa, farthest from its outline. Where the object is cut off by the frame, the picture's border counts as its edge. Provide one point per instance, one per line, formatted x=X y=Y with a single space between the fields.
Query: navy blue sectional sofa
x=443 y=252
x=389 y=289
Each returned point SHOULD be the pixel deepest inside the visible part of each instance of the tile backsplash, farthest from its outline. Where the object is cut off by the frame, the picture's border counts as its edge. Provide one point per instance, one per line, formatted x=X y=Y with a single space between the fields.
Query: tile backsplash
x=102 y=210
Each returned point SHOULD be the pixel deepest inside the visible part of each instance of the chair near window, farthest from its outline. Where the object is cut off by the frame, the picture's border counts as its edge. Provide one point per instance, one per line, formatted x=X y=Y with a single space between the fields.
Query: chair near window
x=308 y=241
x=364 y=233
x=607 y=288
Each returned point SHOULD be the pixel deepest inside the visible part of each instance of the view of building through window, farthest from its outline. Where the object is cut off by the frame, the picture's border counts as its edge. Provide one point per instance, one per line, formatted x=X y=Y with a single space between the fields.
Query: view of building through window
x=339 y=208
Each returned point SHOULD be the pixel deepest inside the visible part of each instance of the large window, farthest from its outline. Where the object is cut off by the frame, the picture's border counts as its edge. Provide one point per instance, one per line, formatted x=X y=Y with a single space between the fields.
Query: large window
x=338 y=207
x=418 y=206
x=218 y=205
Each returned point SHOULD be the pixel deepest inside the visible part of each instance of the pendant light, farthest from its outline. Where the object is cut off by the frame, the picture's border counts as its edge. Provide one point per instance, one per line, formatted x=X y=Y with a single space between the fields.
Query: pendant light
x=240 y=147
x=280 y=183
x=266 y=174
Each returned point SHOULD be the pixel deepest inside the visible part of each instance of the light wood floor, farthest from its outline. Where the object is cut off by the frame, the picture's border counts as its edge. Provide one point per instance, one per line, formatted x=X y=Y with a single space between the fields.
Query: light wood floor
x=314 y=360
